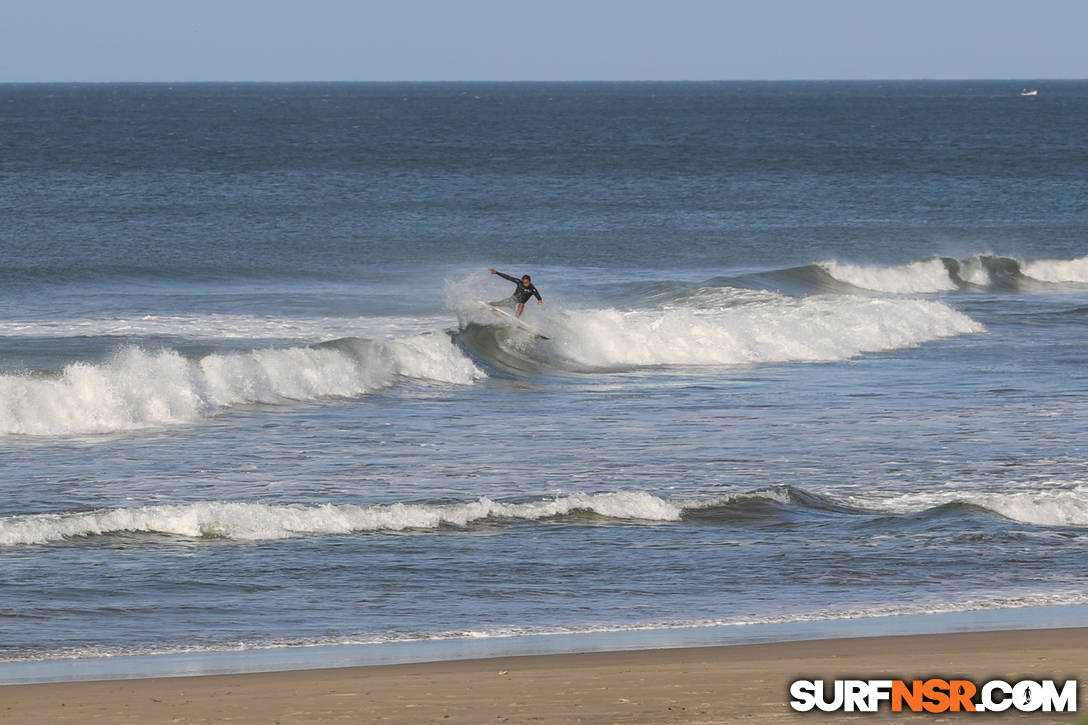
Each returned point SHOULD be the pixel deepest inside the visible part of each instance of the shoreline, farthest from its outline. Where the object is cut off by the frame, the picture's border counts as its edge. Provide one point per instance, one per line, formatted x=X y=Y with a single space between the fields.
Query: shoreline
x=341 y=655
x=713 y=684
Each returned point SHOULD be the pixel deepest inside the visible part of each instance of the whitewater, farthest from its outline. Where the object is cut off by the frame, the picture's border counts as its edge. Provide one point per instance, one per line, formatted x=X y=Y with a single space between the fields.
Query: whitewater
x=137 y=387
x=1066 y=506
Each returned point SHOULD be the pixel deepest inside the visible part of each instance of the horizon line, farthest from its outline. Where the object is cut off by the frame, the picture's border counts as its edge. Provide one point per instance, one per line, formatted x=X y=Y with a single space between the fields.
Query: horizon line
x=551 y=81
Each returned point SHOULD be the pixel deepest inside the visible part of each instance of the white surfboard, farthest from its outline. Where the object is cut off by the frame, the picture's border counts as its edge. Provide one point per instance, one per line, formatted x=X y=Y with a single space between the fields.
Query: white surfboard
x=513 y=319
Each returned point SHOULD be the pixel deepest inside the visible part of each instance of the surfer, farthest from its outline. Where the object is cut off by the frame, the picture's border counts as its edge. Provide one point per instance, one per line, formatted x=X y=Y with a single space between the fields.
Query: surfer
x=524 y=291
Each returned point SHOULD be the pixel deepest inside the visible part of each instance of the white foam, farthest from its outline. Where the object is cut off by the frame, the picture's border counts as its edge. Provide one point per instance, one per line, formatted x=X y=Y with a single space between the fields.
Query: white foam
x=782 y=329
x=256 y=521
x=1057 y=504
x=720 y=298
x=925 y=277
x=1057 y=270
x=1056 y=508
x=140 y=389
x=878 y=614
x=225 y=326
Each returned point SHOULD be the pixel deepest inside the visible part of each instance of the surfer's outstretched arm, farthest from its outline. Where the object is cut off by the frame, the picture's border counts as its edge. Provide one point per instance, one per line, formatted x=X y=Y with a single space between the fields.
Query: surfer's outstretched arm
x=515 y=280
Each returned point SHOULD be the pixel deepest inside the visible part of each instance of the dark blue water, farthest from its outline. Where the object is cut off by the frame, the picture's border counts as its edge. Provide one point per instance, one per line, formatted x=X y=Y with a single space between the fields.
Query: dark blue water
x=811 y=351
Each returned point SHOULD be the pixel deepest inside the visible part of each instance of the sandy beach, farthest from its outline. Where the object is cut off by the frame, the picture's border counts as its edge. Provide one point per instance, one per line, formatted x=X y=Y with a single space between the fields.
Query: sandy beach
x=733 y=684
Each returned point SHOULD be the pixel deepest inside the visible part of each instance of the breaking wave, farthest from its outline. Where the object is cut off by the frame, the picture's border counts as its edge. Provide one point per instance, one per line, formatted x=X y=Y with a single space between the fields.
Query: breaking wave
x=1058 y=270
x=945 y=274
x=926 y=277
x=775 y=329
x=1060 y=505
x=138 y=389
x=256 y=521
x=259 y=521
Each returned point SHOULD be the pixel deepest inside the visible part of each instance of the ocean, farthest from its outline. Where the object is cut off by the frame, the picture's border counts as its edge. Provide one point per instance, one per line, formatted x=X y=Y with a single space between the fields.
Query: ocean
x=816 y=353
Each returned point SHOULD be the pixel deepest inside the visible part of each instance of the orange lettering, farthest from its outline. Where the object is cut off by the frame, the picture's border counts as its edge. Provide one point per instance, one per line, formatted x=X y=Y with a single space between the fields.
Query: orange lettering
x=936 y=691
x=912 y=696
x=961 y=693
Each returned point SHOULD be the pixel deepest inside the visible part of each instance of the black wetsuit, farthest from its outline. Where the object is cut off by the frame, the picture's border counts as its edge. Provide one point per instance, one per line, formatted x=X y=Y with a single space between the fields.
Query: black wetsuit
x=522 y=293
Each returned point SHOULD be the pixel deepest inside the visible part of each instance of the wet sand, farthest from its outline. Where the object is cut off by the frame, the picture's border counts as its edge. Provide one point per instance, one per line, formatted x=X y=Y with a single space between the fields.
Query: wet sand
x=733 y=684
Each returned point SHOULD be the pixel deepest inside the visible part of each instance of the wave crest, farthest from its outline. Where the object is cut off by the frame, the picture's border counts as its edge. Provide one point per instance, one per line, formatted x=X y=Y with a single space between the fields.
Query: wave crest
x=256 y=521
x=1058 y=270
x=138 y=389
x=1062 y=505
x=1067 y=507
x=945 y=274
x=929 y=276
x=781 y=329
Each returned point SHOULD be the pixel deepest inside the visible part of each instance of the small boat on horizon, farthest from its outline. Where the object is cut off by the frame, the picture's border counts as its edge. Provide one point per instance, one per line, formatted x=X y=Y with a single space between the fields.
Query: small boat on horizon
x=1026 y=92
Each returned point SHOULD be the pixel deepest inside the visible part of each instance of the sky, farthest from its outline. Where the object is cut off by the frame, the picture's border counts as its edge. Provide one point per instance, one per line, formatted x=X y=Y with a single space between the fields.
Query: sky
x=538 y=40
